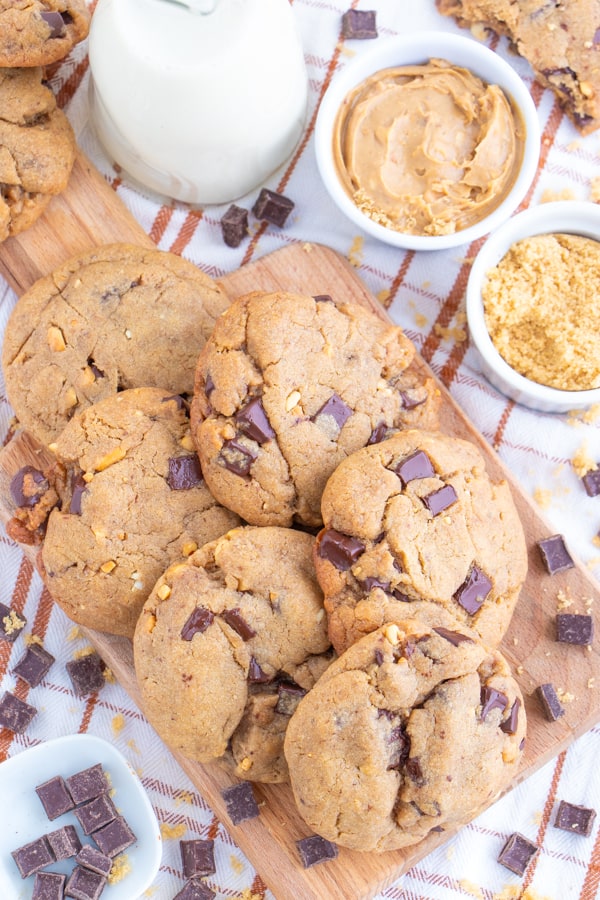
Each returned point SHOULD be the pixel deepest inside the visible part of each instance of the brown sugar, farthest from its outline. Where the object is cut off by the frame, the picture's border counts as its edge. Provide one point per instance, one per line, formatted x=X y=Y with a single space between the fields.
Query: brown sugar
x=542 y=312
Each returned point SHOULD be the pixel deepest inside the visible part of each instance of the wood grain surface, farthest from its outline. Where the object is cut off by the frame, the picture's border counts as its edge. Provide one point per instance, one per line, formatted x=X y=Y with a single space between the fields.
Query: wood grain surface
x=89 y=213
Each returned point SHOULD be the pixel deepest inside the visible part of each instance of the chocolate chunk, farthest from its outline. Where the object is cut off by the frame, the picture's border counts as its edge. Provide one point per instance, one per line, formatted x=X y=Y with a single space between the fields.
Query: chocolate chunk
x=370 y=583
x=12 y=624
x=315 y=849
x=96 y=813
x=87 y=784
x=32 y=857
x=78 y=488
x=341 y=550
x=83 y=884
x=413 y=769
x=252 y=420
x=234 y=225
x=34 y=665
x=15 y=714
x=256 y=674
x=48 y=886
x=510 y=724
x=550 y=702
x=240 y=802
x=272 y=207
x=237 y=457
x=55 y=797
x=555 y=555
x=417 y=465
x=55 y=22
x=27 y=486
x=115 y=837
x=235 y=620
x=184 y=472
x=411 y=399
x=91 y=858
x=64 y=842
x=576 y=819
x=359 y=24
x=197 y=857
x=439 y=500
x=454 y=637
x=574 y=629
x=335 y=409
x=323 y=298
x=195 y=890
x=86 y=674
x=378 y=434
x=399 y=747
x=473 y=591
x=517 y=853
x=197 y=622
x=591 y=482
x=289 y=696
x=491 y=699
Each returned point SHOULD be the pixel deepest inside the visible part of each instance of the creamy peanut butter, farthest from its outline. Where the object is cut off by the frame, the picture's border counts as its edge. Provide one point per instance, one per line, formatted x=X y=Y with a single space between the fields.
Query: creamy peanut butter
x=427 y=149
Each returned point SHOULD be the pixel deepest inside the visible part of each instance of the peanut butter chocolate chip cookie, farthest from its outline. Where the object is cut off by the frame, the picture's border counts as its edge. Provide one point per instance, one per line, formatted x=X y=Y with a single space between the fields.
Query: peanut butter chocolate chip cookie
x=132 y=501
x=226 y=645
x=39 y=32
x=413 y=729
x=117 y=317
x=414 y=526
x=287 y=387
x=37 y=148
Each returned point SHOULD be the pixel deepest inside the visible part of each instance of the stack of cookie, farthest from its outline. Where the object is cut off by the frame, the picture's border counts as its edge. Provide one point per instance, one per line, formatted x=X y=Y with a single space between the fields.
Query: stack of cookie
x=315 y=577
x=37 y=144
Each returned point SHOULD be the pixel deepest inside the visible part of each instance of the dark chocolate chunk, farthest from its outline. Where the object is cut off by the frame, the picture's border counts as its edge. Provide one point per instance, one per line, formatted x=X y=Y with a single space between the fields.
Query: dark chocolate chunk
x=335 y=409
x=83 y=884
x=576 y=819
x=473 y=591
x=399 y=747
x=91 y=858
x=591 y=482
x=413 y=769
x=195 y=890
x=86 y=674
x=235 y=620
x=48 y=886
x=454 y=637
x=12 y=624
x=237 y=457
x=517 y=853
x=32 y=857
x=440 y=500
x=197 y=857
x=87 y=784
x=55 y=797
x=550 y=702
x=115 y=837
x=27 y=486
x=370 y=583
x=491 y=699
x=78 y=488
x=341 y=550
x=417 y=465
x=273 y=207
x=55 y=23
x=197 y=623
x=555 y=555
x=64 y=842
x=323 y=298
x=315 y=849
x=34 y=665
x=15 y=714
x=184 y=472
x=289 y=696
x=252 y=420
x=411 y=399
x=95 y=813
x=359 y=24
x=256 y=674
x=240 y=802
x=378 y=434
x=574 y=629
x=509 y=725
x=234 y=225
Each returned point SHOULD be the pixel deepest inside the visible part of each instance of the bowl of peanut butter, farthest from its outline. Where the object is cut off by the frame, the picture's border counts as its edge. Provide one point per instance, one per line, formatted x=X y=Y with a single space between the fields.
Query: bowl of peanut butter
x=428 y=140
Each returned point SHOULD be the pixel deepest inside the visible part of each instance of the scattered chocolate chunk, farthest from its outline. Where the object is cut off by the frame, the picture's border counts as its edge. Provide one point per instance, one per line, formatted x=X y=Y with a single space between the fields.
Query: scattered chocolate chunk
x=91 y=858
x=83 y=884
x=550 y=703
x=473 y=591
x=509 y=725
x=323 y=298
x=240 y=802
x=48 y=886
x=235 y=620
x=252 y=420
x=55 y=23
x=341 y=550
x=87 y=784
x=115 y=837
x=576 y=819
x=27 y=486
x=34 y=665
x=334 y=409
x=574 y=629
x=237 y=457
x=256 y=674
x=315 y=849
x=78 y=488
x=234 y=225
x=54 y=797
x=491 y=699
x=184 y=472
x=64 y=842
x=289 y=696
x=272 y=207
x=555 y=555
x=195 y=890
x=359 y=24
x=591 y=482
x=86 y=674
x=455 y=637
x=440 y=500
x=15 y=714
x=197 y=622
x=517 y=853
x=11 y=624
x=417 y=465
x=32 y=857
x=197 y=857
x=96 y=813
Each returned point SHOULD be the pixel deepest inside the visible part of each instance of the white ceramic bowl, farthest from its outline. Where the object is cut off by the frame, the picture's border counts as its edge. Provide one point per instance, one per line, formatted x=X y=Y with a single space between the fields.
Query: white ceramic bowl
x=416 y=48
x=565 y=217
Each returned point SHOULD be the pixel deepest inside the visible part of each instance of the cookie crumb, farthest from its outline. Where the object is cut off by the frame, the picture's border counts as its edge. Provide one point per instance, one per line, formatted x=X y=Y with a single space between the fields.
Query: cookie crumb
x=564 y=696
x=471 y=888
x=118 y=723
x=355 y=253
x=121 y=867
x=549 y=196
x=456 y=333
x=172 y=832
x=582 y=462
x=543 y=497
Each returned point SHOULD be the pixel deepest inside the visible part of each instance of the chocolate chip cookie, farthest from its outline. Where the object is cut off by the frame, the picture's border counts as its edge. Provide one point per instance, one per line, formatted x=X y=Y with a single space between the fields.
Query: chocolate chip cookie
x=415 y=526
x=413 y=729
x=132 y=501
x=287 y=387
x=226 y=645
x=39 y=32
x=37 y=148
x=117 y=317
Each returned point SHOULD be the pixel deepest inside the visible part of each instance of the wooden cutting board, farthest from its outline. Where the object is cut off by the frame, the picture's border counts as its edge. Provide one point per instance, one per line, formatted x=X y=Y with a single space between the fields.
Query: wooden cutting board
x=90 y=213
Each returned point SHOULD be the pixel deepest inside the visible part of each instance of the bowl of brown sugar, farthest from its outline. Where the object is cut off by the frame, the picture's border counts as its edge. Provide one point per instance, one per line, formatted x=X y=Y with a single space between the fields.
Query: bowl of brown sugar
x=532 y=307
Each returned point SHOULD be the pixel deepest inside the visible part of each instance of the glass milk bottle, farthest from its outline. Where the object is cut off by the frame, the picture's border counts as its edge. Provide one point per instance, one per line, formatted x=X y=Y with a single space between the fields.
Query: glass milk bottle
x=199 y=100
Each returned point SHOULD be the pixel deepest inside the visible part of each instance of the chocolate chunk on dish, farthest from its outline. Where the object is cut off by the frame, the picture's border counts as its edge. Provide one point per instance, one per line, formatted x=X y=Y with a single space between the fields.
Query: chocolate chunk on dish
x=554 y=554
x=575 y=819
x=55 y=797
x=87 y=784
x=115 y=837
x=517 y=853
x=83 y=884
x=48 y=886
x=64 y=842
x=90 y=858
x=40 y=32
x=33 y=856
